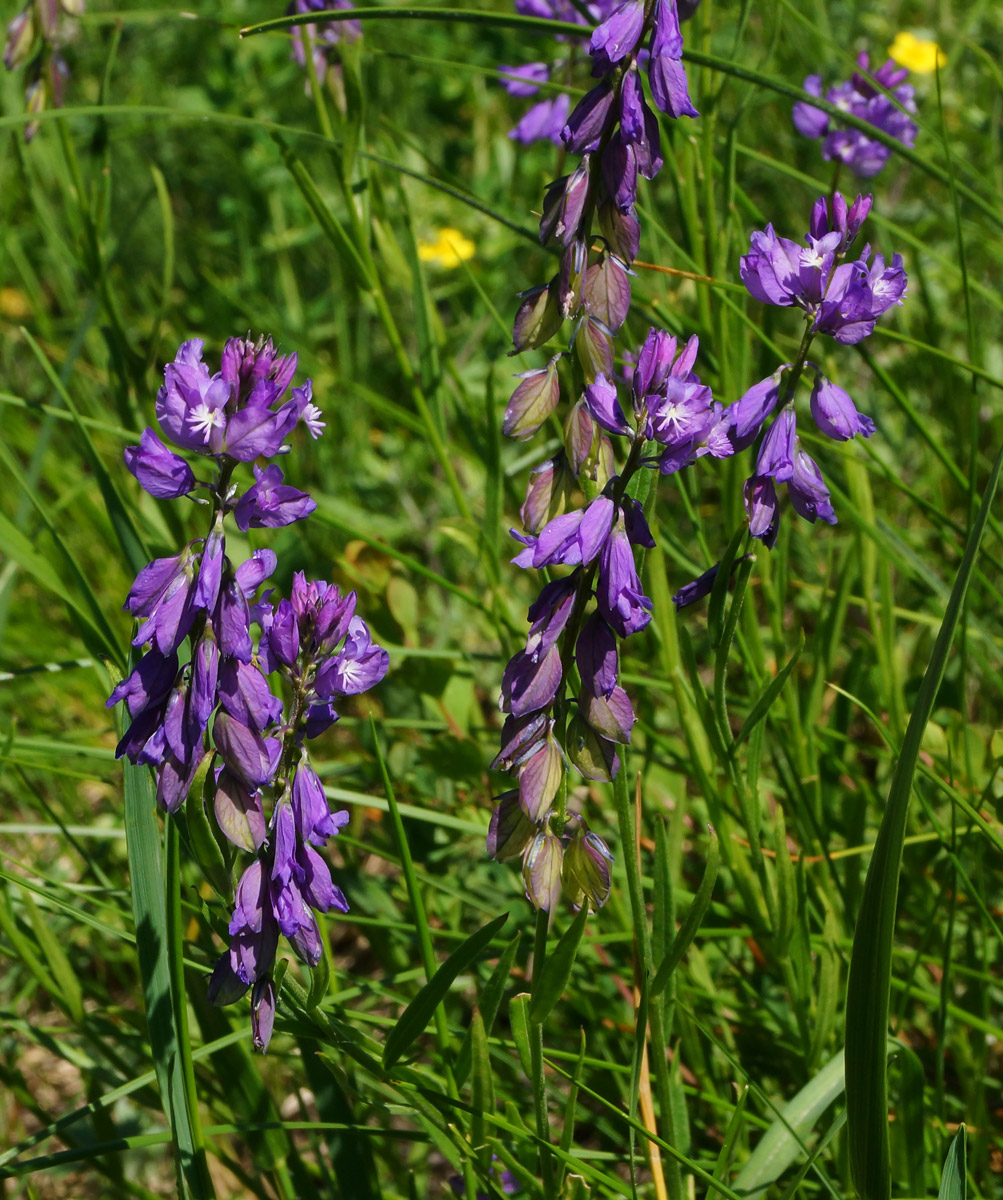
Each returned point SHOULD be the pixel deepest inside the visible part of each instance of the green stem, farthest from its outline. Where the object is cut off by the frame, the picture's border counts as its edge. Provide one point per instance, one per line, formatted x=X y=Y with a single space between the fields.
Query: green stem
x=539 y=1080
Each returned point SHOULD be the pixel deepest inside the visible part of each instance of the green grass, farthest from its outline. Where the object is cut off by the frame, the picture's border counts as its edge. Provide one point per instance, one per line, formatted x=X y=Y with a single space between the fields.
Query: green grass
x=836 y=712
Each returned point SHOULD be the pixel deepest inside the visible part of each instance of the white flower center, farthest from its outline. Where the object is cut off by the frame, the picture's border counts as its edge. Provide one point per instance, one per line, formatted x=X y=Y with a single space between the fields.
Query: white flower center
x=204 y=419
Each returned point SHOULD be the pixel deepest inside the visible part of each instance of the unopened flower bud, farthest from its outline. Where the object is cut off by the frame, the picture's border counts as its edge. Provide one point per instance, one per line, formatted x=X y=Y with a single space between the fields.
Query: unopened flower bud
x=586 y=870
x=541 y=870
x=532 y=402
x=510 y=831
x=538 y=319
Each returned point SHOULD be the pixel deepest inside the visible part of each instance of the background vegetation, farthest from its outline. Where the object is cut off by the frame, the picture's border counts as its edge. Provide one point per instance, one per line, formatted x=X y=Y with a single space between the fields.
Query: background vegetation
x=193 y=188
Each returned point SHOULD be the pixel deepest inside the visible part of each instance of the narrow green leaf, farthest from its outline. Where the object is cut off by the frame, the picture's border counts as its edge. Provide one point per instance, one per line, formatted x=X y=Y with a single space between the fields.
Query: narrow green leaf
x=419 y=1012
x=694 y=916
x=549 y=988
x=731 y=1135
x=518 y=1016
x=146 y=869
x=482 y=1090
x=954 y=1181
x=869 y=987
x=910 y=1118
x=69 y=995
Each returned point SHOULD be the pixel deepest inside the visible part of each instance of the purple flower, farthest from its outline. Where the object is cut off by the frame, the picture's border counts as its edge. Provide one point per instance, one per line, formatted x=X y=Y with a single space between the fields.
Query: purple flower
x=572 y=539
x=807 y=490
x=776 y=453
x=617 y=36
x=859 y=97
x=835 y=413
x=588 y=121
x=269 y=503
x=602 y=403
x=533 y=401
x=843 y=300
x=315 y=822
x=550 y=612
x=761 y=507
x=358 y=666
x=747 y=415
x=528 y=685
x=544 y=122
x=160 y=471
x=524 y=80
x=253 y=929
x=666 y=73
x=596 y=656
x=618 y=589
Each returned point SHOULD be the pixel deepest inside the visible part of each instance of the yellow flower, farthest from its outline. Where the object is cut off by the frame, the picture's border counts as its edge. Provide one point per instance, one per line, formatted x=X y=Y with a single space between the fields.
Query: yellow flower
x=919 y=55
x=449 y=249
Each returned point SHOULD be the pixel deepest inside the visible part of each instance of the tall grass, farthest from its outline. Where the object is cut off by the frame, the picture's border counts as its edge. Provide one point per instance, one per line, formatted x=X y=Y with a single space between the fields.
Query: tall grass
x=814 y=778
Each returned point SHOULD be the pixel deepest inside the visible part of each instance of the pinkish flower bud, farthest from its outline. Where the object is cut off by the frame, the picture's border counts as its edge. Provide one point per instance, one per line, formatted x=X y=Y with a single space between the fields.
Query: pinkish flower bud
x=532 y=402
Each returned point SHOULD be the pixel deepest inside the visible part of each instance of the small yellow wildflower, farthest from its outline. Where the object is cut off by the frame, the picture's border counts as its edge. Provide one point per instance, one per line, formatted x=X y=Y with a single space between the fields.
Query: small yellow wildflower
x=449 y=249
x=919 y=55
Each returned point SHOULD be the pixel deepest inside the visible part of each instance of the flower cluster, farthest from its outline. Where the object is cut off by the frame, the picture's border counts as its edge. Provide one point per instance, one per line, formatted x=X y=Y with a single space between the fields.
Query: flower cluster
x=33 y=39
x=561 y=693
x=840 y=298
x=859 y=97
x=207 y=720
x=323 y=41
x=545 y=120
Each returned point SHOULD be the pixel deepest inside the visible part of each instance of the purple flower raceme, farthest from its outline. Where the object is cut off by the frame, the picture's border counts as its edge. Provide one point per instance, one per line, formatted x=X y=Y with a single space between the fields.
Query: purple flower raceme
x=324 y=42
x=840 y=298
x=860 y=96
x=563 y=704
x=208 y=721
x=33 y=40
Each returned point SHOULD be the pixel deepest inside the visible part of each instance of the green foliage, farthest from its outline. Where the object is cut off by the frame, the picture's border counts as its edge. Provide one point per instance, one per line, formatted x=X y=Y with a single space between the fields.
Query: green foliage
x=814 y=780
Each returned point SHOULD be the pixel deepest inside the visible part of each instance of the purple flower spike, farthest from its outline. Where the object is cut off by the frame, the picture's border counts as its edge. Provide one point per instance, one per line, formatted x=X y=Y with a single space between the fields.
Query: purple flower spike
x=161 y=472
x=835 y=413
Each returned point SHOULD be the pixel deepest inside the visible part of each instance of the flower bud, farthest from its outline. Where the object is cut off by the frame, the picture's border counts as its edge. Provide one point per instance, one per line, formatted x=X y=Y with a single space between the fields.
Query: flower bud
x=547 y=494
x=586 y=871
x=538 y=319
x=532 y=402
x=20 y=35
x=262 y=1014
x=622 y=230
x=594 y=347
x=579 y=436
x=539 y=780
x=607 y=291
x=510 y=831
x=541 y=870
x=594 y=757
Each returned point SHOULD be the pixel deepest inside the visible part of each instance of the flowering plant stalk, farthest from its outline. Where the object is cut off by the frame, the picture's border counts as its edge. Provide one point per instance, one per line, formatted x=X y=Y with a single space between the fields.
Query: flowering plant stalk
x=561 y=694
x=202 y=712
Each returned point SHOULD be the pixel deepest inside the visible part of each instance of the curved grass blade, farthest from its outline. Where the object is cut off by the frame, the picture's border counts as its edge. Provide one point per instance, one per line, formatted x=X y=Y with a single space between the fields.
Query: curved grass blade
x=869 y=987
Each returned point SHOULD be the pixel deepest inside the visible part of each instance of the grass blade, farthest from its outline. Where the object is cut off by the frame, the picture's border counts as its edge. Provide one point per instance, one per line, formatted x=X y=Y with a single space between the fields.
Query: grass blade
x=869 y=987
